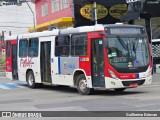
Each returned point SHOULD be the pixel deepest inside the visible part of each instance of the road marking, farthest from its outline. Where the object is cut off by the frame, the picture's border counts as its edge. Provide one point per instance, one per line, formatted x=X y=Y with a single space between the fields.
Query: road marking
x=11 y=86
x=20 y=85
x=3 y=87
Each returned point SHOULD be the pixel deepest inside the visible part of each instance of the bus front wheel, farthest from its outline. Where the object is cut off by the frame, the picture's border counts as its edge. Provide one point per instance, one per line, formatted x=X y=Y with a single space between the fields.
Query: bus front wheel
x=31 y=80
x=82 y=85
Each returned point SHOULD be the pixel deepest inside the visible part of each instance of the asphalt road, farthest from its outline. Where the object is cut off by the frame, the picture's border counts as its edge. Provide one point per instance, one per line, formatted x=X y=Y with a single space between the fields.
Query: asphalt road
x=16 y=96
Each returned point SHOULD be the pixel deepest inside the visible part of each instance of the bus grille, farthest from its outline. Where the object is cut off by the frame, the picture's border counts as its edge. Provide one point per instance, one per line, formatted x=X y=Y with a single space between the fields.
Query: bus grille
x=128 y=83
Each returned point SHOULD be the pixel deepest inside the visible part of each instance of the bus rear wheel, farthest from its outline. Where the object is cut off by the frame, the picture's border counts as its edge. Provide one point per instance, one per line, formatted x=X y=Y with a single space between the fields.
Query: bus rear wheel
x=119 y=89
x=82 y=85
x=31 y=80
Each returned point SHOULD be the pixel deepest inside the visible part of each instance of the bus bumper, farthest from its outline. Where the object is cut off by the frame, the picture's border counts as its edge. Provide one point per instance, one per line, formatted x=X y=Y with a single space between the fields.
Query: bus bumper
x=111 y=83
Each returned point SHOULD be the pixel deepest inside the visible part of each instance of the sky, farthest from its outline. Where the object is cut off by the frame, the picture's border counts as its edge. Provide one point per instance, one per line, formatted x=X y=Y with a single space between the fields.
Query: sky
x=16 y=19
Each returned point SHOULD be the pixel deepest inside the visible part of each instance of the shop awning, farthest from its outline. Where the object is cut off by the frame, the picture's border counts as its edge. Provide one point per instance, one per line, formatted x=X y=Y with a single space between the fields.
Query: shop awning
x=60 y=21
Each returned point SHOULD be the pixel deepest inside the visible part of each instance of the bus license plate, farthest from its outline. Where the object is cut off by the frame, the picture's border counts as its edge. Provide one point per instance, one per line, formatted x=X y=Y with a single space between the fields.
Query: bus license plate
x=133 y=85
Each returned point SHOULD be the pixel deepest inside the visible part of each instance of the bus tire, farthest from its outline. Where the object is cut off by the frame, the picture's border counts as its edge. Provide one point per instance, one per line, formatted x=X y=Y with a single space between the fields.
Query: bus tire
x=119 y=89
x=82 y=85
x=31 y=80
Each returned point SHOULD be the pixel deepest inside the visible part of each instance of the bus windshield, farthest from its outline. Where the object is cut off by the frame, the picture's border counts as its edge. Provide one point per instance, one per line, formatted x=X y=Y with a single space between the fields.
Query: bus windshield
x=128 y=52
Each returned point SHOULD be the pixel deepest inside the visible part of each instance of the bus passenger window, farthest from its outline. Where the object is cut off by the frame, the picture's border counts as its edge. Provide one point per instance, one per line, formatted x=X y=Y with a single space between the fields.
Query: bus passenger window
x=33 y=47
x=79 y=45
x=62 y=44
x=23 y=48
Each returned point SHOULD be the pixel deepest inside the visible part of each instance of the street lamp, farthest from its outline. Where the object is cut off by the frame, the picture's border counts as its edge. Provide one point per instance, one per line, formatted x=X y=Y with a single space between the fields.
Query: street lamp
x=33 y=16
x=34 y=24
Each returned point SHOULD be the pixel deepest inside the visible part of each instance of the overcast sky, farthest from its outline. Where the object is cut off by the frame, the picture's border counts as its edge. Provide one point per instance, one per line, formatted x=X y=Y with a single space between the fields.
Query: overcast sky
x=16 y=18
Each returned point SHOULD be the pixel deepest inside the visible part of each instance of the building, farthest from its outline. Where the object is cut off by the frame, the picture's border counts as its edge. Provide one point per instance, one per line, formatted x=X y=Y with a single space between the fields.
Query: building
x=16 y=19
x=73 y=13
x=53 y=14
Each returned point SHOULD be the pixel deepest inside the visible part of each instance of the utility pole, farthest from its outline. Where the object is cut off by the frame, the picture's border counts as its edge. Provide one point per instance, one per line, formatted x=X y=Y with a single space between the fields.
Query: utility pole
x=34 y=24
x=95 y=10
x=10 y=33
x=2 y=37
x=93 y=13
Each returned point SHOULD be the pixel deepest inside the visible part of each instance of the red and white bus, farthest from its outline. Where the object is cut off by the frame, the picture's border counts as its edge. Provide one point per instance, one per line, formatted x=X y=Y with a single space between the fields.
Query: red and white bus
x=101 y=56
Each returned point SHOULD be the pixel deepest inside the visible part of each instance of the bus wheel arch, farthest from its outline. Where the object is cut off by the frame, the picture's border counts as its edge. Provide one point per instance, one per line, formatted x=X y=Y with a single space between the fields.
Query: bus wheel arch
x=75 y=76
x=81 y=83
x=30 y=79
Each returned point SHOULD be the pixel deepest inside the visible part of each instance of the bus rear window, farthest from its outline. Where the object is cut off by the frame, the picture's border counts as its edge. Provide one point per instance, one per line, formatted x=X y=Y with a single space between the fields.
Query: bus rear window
x=8 y=50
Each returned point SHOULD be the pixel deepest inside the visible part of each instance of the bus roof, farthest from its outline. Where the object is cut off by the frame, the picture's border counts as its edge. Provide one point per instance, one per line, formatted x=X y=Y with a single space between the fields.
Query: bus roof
x=39 y=34
x=56 y=32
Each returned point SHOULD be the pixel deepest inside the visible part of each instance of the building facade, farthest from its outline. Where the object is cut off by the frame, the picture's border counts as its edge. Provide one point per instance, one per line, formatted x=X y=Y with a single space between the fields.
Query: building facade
x=53 y=14
x=73 y=13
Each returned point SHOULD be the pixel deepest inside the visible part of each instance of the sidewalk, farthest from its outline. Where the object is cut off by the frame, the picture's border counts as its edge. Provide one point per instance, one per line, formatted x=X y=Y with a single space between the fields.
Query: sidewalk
x=2 y=74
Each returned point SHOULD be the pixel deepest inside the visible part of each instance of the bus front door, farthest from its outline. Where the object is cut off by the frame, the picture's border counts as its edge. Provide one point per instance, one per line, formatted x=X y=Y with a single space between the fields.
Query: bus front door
x=97 y=63
x=45 y=57
x=14 y=62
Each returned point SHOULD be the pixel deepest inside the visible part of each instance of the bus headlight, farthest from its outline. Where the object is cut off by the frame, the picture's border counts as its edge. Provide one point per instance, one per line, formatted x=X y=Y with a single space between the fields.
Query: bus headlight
x=113 y=74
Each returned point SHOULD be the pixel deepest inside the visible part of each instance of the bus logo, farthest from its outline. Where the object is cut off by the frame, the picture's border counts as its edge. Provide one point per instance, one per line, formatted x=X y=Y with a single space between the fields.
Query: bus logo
x=26 y=62
x=69 y=66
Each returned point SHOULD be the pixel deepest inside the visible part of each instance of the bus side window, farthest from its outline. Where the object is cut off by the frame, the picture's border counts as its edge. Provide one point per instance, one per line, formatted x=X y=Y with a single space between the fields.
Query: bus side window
x=79 y=45
x=23 y=48
x=62 y=46
x=33 y=47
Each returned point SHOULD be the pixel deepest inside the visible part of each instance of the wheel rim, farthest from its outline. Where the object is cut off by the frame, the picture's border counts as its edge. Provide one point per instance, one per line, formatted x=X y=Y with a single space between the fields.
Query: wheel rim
x=83 y=85
x=30 y=80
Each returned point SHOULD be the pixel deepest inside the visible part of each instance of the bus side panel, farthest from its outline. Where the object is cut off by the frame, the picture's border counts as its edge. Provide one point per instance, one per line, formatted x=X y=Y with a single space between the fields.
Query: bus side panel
x=29 y=63
x=84 y=63
x=22 y=67
x=35 y=67
x=66 y=67
x=54 y=60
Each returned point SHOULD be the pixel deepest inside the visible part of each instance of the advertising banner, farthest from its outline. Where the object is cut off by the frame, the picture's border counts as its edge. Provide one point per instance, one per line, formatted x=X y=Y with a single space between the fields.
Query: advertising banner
x=112 y=11
x=108 y=11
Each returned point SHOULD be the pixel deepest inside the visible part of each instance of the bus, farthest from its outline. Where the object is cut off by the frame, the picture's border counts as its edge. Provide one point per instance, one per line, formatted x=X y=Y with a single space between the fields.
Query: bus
x=115 y=56
x=156 y=55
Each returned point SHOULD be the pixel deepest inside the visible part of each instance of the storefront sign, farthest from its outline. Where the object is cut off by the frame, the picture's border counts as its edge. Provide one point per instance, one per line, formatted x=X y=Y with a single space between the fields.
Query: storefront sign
x=101 y=11
x=108 y=11
x=112 y=11
x=117 y=11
